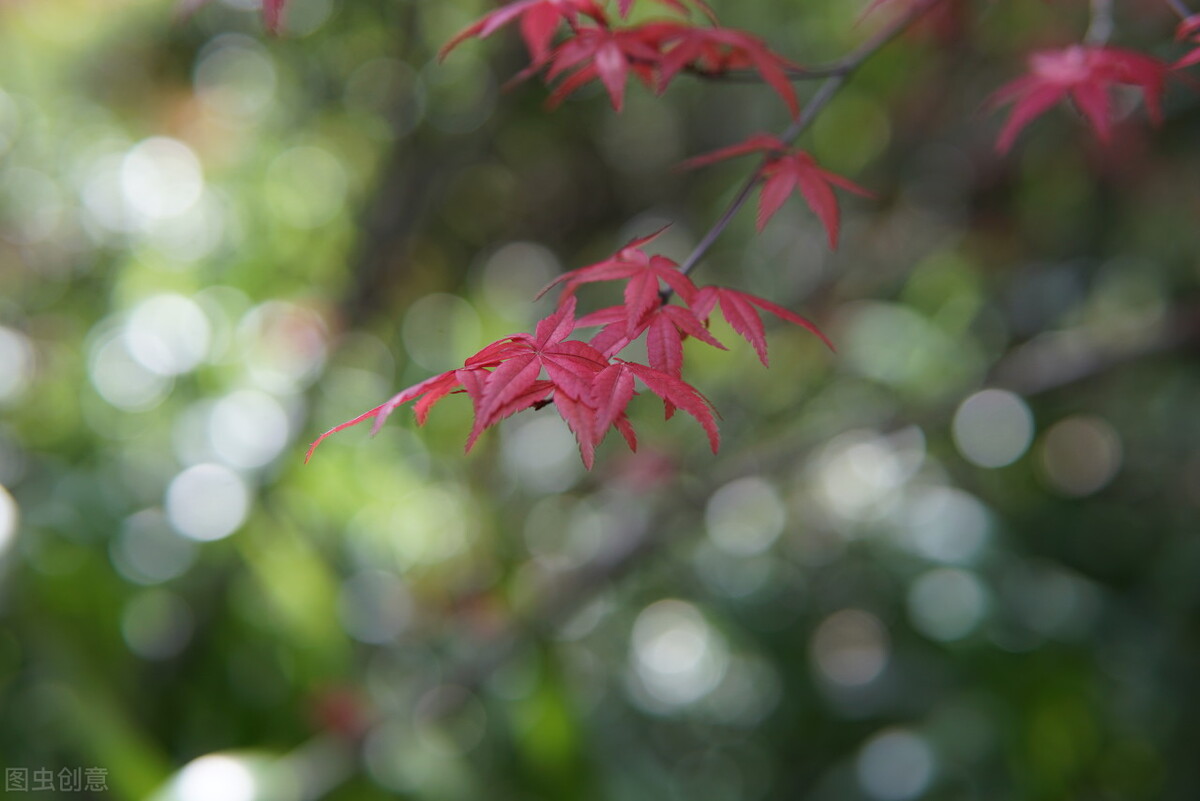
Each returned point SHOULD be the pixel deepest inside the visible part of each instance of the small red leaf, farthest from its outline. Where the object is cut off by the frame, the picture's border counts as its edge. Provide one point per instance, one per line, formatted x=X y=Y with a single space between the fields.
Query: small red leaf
x=626 y=428
x=536 y=393
x=738 y=310
x=439 y=384
x=500 y=350
x=581 y=419
x=785 y=172
x=758 y=143
x=433 y=394
x=509 y=380
x=664 y=347
x=776 y=189
x=687 y=322
x=820 y=198
x=611 y=392
x=539 y=19
x=557 y=326
x=679 y=393
x=742 y=317
x=1085 y=73
x=716 y=50
x=789 y=315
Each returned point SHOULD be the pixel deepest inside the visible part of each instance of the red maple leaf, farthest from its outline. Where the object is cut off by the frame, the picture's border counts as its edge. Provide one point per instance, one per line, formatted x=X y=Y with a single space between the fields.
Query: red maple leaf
x=601 y=53
x=665 y=328
x=539 y=19
x=677 y=393
x=715 y=51
x=612 y=390
x=506 y=377
x=570 y=366
x=1189 y=29
x=643 y=273
x=1085 y=74
x=738 y=310
x=588 y=391
x=785 y=171
x=434 y=389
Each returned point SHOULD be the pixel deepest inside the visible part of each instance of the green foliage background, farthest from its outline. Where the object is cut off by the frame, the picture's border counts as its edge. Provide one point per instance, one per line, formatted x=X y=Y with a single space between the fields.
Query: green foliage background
x=215 y=244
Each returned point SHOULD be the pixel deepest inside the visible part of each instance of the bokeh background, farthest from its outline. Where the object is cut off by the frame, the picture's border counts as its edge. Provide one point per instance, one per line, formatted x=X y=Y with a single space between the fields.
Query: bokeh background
x=958 y=559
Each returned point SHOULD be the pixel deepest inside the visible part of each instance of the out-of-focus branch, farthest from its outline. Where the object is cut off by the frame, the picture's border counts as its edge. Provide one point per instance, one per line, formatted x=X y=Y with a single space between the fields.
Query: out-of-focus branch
x=1060 y=358
x=1046 y=363
x=632 y=539
x=1101 y=26
x=1050 y=362
x=1181 y=10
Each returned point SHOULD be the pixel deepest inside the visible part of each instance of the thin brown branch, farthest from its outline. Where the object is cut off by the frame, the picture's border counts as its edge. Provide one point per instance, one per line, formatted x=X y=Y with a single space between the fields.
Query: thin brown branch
x=750 y=76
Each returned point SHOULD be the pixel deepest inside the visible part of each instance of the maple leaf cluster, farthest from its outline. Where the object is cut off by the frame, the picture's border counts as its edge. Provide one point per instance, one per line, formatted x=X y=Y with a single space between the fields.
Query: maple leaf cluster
x=1086 y=74
x=587 y=383
x=655 y=52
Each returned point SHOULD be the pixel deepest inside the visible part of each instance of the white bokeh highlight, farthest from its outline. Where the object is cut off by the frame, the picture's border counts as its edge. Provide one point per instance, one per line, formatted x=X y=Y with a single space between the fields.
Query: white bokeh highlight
x=541 y=453
x=895 y=765
x=235 y=78
x=168 y=334
x=745 y=517
x=677 y=657
x=860 y=475
x=946 y=524
x=1080 y=455
x=247 y=429
x=216 y=776
x=148 y=550
x=161 y=178
x=8 y=521
x=850 y=648
x=16 y=363
x=374 y=606
x=993 y=428
x=207 y=502
x=947 y=603
x=157 y=624
x=122 y=380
